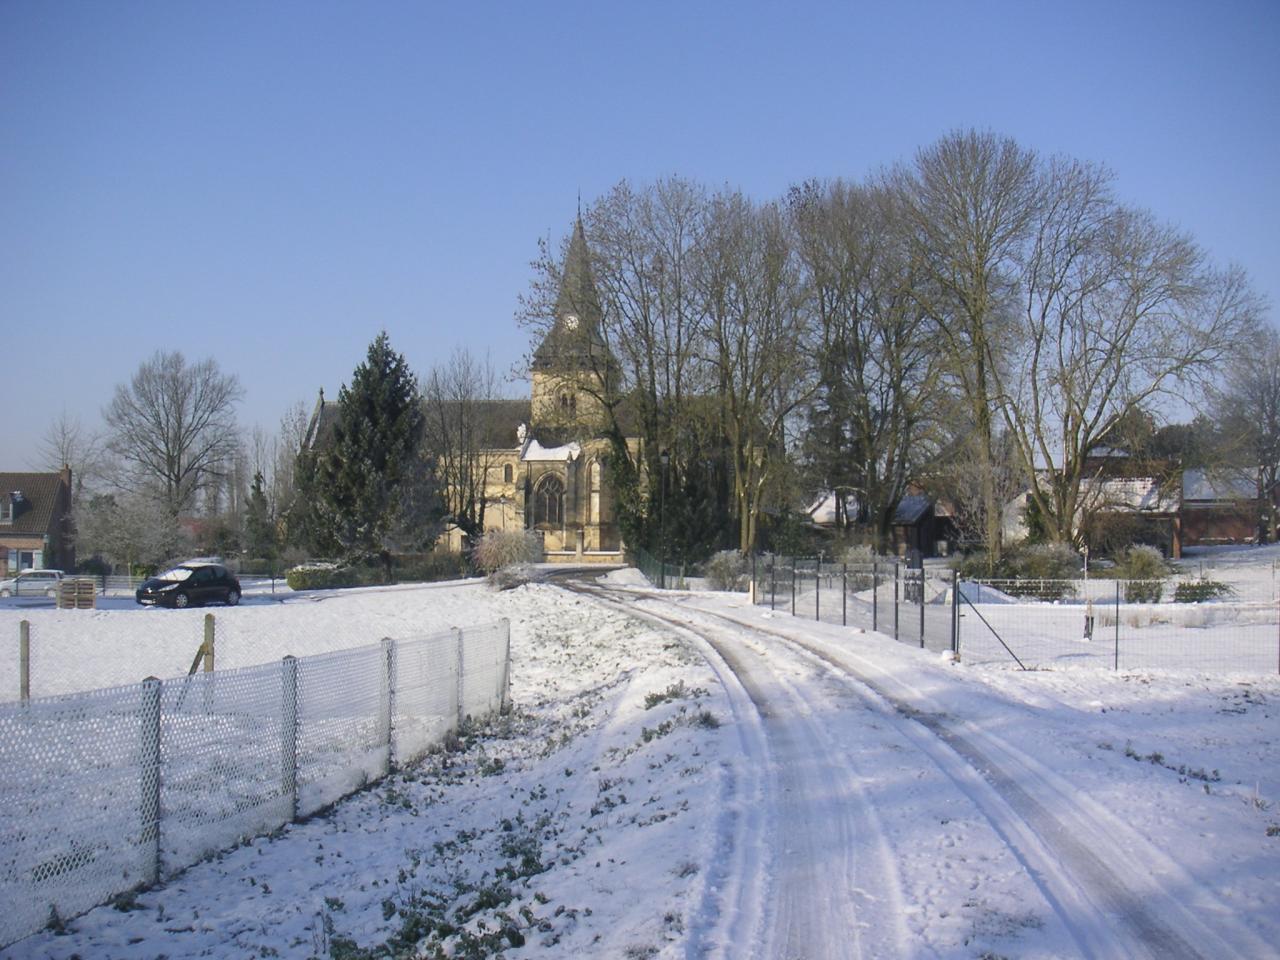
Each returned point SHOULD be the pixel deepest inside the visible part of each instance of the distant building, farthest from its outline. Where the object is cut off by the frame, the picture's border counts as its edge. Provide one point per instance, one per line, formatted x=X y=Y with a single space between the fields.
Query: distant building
x=1223 y=506
x=35 y=522
x=546 y=457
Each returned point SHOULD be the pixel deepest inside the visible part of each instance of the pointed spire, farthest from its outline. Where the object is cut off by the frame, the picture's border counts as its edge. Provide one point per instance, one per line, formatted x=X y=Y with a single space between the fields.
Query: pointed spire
x=578 y=314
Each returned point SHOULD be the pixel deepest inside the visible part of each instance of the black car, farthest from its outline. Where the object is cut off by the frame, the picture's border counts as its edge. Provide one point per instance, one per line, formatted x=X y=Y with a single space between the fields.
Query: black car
x=191 y=585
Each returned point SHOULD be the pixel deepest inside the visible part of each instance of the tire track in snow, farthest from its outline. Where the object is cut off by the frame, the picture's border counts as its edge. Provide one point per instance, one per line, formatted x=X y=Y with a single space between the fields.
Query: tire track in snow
x=1088 y=862
x=829 y=849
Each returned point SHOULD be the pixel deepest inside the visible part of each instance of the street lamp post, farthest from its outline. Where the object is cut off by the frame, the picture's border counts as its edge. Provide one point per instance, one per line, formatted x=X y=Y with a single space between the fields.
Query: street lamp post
x=665 y=458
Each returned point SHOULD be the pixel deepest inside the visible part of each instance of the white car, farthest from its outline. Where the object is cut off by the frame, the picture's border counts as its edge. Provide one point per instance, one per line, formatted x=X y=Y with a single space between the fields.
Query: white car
x=32 y=583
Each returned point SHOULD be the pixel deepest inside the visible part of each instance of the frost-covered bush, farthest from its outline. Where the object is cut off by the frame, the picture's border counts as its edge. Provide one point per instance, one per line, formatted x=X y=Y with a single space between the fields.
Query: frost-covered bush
x=727 y=570
x=504 y=548
x=1046 y=561
x=1043 y=569
x=1144 y=567
x=1197 y=591
x=513 y=575
x=859 y=555
x=328 y=576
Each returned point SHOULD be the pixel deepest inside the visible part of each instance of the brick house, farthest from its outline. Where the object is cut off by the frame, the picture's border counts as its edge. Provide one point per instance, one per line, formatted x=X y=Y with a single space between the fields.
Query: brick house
x=36 y=528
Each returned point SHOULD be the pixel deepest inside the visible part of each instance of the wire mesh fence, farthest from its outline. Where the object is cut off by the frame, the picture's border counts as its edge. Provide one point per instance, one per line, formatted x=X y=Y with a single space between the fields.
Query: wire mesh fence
x=108 y=790
x=1112 y=624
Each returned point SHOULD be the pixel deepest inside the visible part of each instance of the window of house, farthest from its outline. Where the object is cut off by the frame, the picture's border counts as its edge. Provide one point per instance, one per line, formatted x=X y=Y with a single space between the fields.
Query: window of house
x=548 y=502
x=507 y=473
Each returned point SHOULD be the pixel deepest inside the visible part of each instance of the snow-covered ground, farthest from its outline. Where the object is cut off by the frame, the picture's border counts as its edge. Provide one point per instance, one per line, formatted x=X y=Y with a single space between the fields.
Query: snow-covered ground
x=688 y=776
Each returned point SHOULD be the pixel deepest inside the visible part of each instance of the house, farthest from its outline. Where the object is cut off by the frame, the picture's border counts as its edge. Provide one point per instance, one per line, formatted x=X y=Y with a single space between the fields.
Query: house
x=36 y=528
x=921 y=525
x=1222 y=506
x=546 y=458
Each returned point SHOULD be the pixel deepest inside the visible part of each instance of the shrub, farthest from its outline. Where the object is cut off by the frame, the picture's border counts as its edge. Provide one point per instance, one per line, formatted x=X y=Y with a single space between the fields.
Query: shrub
x=322 y=575
x=507 y=557
x=727 y=570
x=1046 y=561
x=513 y=575
x=1197 y=591
x=1145 y=570
x=328 y=576
x=1048 y=568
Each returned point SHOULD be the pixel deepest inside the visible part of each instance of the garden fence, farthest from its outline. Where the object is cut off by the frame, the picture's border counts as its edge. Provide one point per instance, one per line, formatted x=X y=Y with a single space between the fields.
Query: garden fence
x=110 y=790
x=1112 y=624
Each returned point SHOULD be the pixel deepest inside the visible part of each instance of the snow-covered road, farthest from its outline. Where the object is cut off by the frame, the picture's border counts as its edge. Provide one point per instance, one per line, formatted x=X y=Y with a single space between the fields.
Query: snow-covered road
x=1091 y=885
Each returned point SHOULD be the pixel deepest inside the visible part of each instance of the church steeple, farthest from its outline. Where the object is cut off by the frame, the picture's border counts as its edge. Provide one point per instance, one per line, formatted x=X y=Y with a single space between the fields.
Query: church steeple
x=574 y=338
x=573 y=369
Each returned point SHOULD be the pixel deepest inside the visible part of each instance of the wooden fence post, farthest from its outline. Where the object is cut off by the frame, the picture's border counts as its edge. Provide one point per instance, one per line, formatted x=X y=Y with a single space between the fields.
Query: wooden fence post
x=209 y=631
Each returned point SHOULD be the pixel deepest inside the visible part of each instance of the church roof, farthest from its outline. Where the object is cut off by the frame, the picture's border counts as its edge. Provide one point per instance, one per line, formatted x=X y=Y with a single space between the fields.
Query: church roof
x=496 y=422
x=574 y=339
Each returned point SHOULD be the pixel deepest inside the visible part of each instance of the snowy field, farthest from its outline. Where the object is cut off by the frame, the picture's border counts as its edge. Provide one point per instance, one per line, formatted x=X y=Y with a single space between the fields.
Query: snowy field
x=634 y=806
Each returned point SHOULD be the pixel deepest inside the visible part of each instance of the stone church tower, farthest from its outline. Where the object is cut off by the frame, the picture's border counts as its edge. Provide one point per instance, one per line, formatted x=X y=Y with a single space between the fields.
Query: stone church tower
x=567 y=497
x=572 y=367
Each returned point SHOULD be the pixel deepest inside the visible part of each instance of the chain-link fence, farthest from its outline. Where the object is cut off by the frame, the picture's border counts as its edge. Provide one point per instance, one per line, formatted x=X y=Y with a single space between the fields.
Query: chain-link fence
x=1116 y=624
x=108 y=790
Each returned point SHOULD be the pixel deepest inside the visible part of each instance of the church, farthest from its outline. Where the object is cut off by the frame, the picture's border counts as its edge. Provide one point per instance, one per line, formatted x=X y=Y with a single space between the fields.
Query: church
x=545 y=458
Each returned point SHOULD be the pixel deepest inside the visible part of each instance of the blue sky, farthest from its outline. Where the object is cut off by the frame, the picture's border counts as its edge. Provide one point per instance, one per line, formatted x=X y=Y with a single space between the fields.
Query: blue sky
x=271 y=184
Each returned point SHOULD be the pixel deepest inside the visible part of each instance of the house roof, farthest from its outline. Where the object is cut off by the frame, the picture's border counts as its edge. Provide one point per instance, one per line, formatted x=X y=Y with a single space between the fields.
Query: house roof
x=911 y=509
x=40 y=490
x=1218 y=486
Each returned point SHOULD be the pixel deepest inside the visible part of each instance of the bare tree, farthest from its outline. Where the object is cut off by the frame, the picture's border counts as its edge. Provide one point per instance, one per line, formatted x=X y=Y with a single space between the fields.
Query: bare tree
x=754 y=346
x=128 y=529
x=1117 y=312
x=873 y=421
x=67 y=442
x=458 y=400
x=972 y=197
x=1248 y=407
x=173 y=427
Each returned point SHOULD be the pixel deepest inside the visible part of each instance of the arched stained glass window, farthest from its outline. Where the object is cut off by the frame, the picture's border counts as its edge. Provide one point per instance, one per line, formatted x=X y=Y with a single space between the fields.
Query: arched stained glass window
x=548 y=502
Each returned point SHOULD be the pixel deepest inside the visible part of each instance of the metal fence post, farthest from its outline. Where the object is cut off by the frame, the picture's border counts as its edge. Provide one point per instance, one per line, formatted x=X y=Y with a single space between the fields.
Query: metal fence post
x=922 y=604
x=875 y=599
x=773 y=583
x=505 y=705
x=817 y=591
x=897 y=576
x=794 y=571
x=387 y=700
x=149 y=781
x=24 y=660
x=289 y=735
x=955 y=613
x=844 y=594
x=1117 y=654
x=459 y=691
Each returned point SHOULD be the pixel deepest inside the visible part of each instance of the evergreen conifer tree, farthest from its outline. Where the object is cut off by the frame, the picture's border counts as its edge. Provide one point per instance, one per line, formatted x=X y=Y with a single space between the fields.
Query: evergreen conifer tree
x=259 y=527
x=372 y=492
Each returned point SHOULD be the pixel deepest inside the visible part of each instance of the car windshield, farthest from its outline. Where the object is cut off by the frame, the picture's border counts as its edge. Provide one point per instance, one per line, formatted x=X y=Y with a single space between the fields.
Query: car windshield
x=176 y=575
